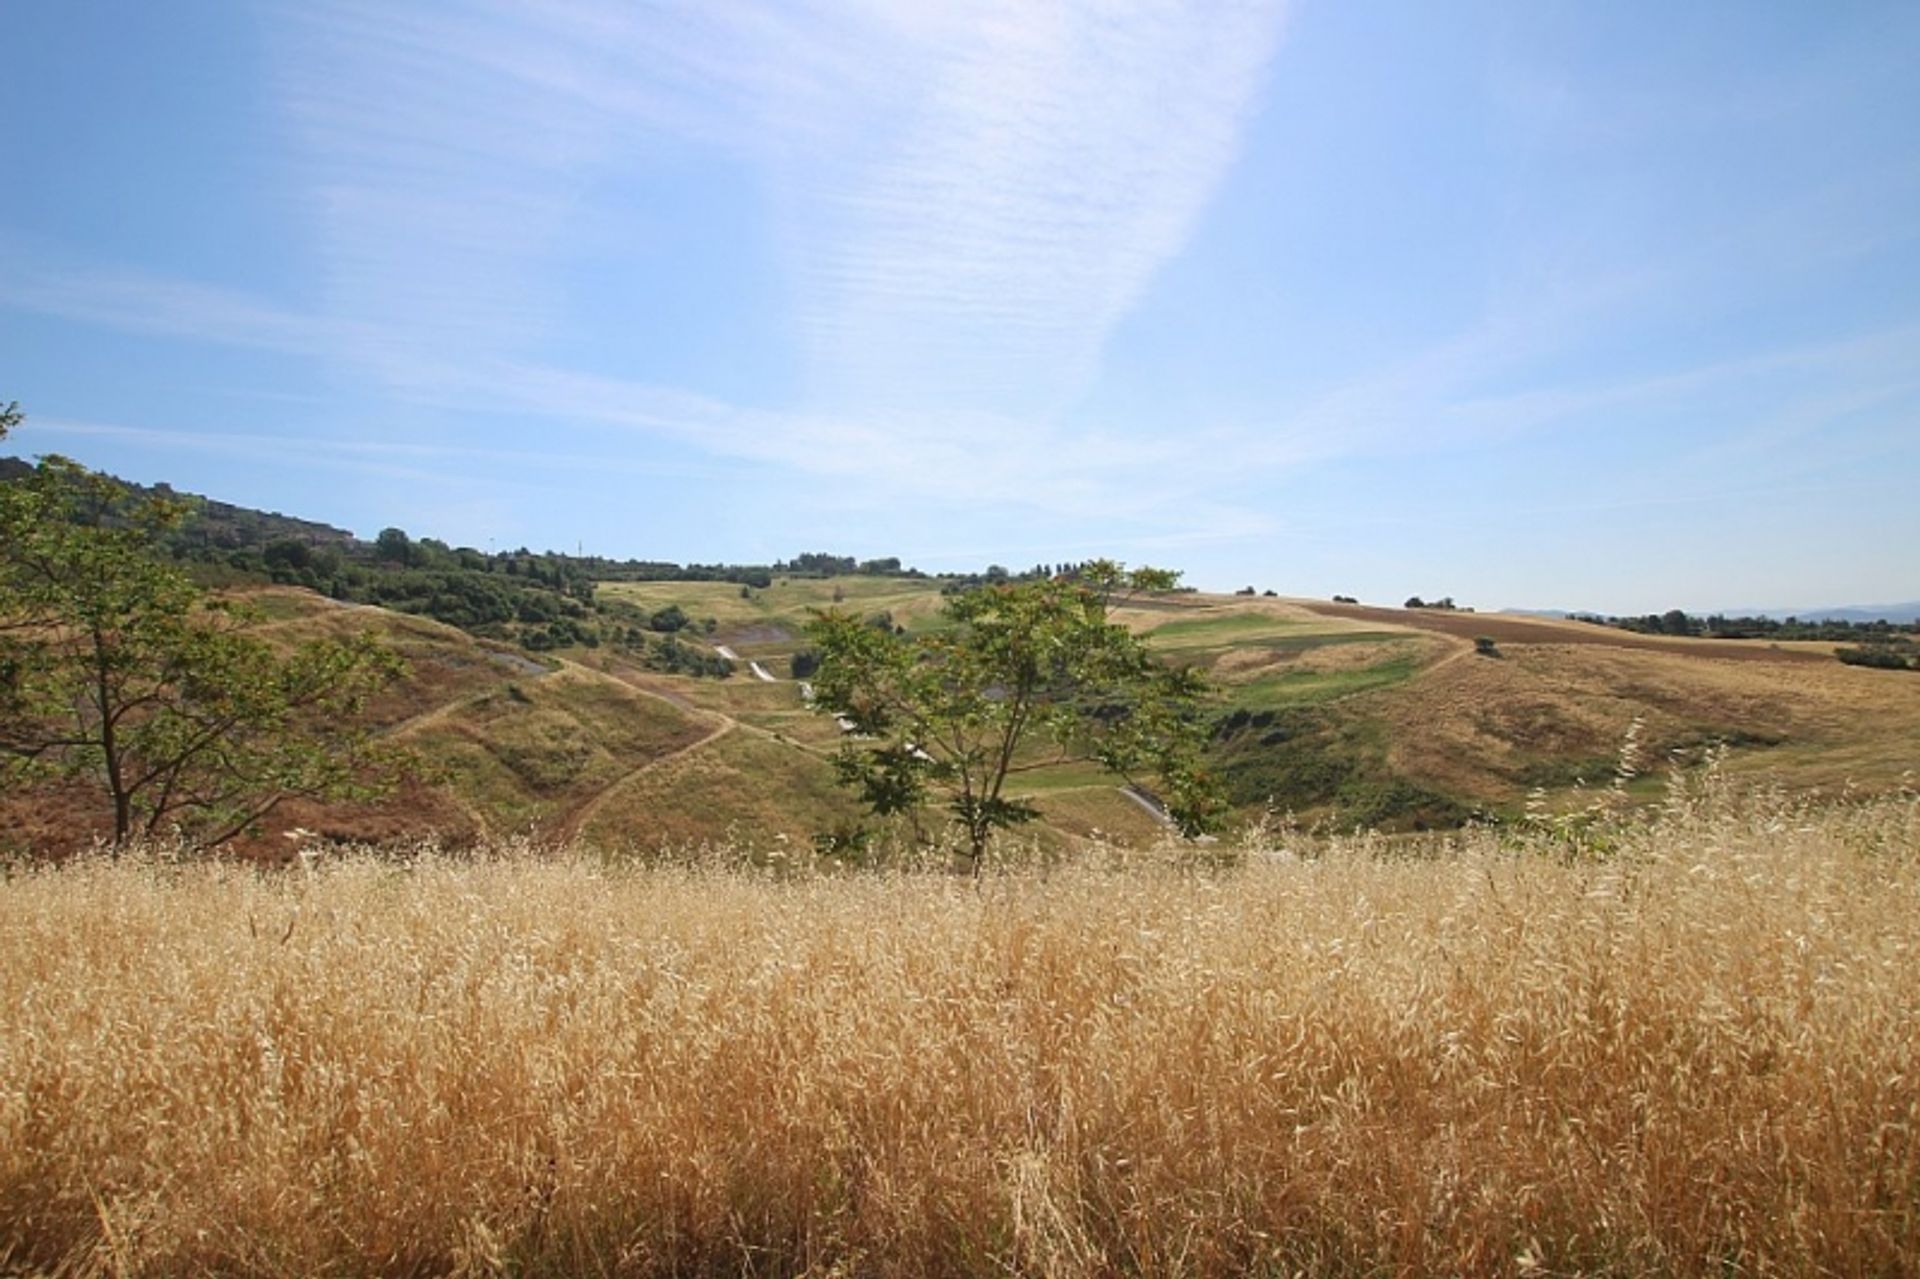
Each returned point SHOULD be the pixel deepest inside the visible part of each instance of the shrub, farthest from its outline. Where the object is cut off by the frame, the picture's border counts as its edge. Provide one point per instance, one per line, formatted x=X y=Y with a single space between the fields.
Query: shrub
x=1885 y=659
x=669 y=619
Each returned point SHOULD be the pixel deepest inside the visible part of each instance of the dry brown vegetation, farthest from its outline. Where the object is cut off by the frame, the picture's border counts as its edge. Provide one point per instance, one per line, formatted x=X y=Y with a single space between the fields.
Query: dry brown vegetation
x=1687 y=1047
x=1518 y=628
x=1474 y=726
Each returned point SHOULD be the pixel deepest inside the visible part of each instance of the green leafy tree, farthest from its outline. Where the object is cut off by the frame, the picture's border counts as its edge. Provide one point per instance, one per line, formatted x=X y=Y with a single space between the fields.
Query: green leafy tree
x=393 y=546
x=669 y=619
x=117 y=670
x=1026 y=676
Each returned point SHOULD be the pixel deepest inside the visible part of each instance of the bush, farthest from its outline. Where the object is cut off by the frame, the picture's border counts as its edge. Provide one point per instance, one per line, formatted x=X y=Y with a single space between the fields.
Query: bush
x=669 y=619
x=1485 y=646
x=1884 y=659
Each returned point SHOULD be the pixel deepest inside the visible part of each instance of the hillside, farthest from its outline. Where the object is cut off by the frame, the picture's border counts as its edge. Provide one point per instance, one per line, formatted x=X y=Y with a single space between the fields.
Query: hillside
x=1343 y=713
x=507 y=744
x=1391 y=716
x=1355 y=715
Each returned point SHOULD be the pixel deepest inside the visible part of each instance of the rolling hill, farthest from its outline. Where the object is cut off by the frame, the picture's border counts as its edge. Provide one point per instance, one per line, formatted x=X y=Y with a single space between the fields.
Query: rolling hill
x=1339 y=713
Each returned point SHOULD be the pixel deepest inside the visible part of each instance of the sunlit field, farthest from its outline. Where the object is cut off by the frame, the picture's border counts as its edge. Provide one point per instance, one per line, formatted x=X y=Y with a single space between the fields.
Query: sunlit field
x=1689 y=1045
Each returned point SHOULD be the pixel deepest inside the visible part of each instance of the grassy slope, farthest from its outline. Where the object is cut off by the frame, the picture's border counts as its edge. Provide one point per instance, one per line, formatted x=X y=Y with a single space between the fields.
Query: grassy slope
x=1359 y=715
x=1388 y=716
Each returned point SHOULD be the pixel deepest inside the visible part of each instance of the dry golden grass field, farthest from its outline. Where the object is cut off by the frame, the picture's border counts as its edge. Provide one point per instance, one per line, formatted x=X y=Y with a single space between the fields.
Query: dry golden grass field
x=1686 y=1044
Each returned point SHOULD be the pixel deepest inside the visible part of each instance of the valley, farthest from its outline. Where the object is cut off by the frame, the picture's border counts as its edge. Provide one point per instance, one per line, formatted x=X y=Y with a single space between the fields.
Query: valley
x=1342 y=715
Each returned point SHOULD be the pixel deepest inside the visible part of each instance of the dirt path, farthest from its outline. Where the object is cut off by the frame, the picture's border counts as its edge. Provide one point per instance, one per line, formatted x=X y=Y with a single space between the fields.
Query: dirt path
x=760 y=673
x=634 y=681
x=569 y=827
x=440 y=713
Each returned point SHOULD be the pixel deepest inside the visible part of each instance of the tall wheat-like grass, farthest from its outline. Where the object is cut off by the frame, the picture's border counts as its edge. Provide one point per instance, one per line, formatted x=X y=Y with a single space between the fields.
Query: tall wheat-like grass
x=1697 y=1053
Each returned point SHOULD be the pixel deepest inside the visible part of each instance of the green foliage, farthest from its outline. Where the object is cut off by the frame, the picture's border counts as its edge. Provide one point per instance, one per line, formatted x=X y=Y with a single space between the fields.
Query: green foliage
x=1719 y=626
x=672 y=657
x=955 y=714
x=562 y=632
x=669 y=619
x=393 y=546
x=1886 y=657
x=1486 y=646
x=1299 y=758
x=117 y=669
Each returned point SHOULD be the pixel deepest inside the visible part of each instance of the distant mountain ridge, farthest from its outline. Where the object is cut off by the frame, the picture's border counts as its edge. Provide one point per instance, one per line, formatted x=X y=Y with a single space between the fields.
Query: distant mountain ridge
x=1906 y=614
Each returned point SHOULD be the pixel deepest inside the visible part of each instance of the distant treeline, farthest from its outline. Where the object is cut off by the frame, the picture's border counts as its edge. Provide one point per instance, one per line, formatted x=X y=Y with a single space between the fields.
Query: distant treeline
x=810 y=564
x=997 y=574
x=1881 y=644
x=539 y=600
x=1719 y=626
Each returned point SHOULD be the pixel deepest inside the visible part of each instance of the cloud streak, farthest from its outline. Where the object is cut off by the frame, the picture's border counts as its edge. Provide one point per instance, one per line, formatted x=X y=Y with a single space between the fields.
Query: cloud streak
x=969 y=196
x=1167 y=487
x=965 y=458
x=1054 y=158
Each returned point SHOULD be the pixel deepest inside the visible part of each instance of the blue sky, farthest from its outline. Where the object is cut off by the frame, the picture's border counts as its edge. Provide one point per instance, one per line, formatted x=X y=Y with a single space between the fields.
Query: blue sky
x=1607 y=306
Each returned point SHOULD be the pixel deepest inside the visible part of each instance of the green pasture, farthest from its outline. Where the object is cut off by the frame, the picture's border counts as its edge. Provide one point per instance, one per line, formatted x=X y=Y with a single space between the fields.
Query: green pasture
x=1284 y=689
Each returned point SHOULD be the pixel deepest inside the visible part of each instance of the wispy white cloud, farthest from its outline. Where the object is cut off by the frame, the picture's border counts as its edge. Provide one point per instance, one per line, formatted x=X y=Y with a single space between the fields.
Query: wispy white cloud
x=1049 y=161
x=390 y=458
x=970 y=195
x=32 y=279
x=967 y=459
x=1474 y=391
x=1165 y=487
